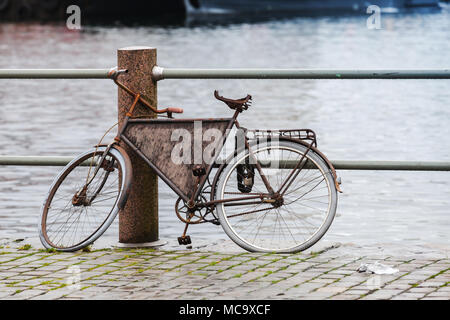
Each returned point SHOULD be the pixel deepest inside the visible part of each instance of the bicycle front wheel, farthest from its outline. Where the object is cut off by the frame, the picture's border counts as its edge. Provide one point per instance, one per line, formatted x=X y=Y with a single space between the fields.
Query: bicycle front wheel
x=83 y=200
x=292 y=223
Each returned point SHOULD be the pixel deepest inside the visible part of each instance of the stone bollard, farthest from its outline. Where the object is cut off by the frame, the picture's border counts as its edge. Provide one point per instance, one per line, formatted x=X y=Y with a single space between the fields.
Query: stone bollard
x=138 y=221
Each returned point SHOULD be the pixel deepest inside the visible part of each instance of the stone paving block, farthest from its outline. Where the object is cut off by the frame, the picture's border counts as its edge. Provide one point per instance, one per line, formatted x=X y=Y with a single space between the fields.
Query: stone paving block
x=385 y=293
x=53 y=267
x=432 y=283
x=330 y=276
x=331 y=289
x=397 y=286
x=96 y=290
x=419 y=289
x=341 y=272
x=17 y=278
x=357 y=291
x=265 y=269
x=444 y=289
x=319 y=295
x=443 y=295
x=344 y=296
x=297 y=279
x=321 y=281
x=306 y=287
x=242 y=267
x=413 y=295
x=113 y=283
x=15 y=266
x=265 y=293
x=214 y=289
x=8 y=272
x=31 y=282
x=227 y=274
x=139 y=296
x=27 y=294
x=49 y=295
x=253 y=275
x=36 y=273
x=6 y=292
x=344 y=282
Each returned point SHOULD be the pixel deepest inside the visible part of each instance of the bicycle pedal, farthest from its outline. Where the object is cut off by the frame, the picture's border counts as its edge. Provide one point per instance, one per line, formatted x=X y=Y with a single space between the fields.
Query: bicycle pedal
x=184 y=240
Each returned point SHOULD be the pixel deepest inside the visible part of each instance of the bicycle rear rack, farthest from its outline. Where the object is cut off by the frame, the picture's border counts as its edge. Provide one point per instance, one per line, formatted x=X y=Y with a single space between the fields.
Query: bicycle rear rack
x=299 y=134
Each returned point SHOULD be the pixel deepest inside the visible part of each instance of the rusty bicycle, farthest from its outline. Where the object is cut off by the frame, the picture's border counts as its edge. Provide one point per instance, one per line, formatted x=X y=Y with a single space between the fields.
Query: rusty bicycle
x=274 y=192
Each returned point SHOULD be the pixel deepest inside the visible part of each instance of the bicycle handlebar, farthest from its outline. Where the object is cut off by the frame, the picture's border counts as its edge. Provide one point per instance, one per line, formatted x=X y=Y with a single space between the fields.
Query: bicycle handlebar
x=175 y=110
x=114 y=74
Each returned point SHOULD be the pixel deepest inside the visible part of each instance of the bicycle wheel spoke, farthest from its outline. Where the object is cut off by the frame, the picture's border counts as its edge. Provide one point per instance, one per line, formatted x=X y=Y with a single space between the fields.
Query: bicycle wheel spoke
x=248 y=212
x=105 y=199
x=305 y=184
x=314 y=187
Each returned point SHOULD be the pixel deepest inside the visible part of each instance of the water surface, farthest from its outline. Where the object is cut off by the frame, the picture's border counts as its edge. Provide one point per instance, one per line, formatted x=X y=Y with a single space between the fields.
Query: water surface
x=354 y=119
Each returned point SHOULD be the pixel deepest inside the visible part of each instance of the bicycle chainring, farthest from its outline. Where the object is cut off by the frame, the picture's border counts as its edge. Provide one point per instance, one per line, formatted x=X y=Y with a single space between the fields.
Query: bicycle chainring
x=183 y=212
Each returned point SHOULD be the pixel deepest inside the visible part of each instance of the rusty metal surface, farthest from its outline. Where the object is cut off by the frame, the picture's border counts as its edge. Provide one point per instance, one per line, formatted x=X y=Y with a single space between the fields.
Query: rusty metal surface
x=114 y=74
x=154 y=139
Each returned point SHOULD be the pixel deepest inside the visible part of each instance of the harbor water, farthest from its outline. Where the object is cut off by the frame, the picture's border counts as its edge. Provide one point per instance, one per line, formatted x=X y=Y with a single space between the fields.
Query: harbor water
x=354 y=119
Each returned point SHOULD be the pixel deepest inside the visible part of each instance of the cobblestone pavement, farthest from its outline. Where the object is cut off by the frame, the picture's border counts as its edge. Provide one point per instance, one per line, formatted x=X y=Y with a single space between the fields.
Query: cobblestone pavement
x=112 y=273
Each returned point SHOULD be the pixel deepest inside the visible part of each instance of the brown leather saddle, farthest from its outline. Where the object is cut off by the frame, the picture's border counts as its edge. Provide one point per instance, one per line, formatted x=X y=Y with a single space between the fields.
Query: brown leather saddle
x=238 y=104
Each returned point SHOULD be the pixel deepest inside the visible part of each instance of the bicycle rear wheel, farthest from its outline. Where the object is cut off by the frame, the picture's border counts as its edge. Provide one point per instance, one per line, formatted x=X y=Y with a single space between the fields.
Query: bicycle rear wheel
x=294 y=222
x=83 y=199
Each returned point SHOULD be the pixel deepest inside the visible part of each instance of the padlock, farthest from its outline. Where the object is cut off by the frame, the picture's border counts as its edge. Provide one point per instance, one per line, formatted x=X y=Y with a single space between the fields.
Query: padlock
x=199 y=170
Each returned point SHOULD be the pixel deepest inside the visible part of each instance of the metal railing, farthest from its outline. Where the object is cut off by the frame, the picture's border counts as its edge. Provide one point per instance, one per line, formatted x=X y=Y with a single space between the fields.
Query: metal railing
x=338 y=164
x=160 y=73
x=54 y=73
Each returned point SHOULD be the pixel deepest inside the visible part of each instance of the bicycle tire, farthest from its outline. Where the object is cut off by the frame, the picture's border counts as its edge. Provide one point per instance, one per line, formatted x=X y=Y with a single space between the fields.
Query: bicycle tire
x=237 y=234
x=62 y=183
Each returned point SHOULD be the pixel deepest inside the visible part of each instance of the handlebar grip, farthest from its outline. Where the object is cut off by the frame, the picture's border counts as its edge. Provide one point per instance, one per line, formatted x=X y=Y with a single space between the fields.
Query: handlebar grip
x=175 y=110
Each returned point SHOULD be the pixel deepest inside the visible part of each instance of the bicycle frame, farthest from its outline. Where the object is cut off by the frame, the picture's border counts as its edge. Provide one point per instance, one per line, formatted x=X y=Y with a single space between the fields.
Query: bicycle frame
x=191 y=200
x=178 y=123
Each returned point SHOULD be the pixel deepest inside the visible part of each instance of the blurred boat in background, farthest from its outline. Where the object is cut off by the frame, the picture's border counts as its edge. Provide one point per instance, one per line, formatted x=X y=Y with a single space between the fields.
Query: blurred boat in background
x=176 y=10
x=302 y=6
x=105 y=10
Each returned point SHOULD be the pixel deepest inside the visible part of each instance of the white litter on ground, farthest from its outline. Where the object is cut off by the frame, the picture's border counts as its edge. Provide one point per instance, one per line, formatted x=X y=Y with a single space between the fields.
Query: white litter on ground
x=377 y=268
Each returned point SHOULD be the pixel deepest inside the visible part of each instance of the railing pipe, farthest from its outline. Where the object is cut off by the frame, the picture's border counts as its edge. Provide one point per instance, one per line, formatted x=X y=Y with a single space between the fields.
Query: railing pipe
x=54 y=73
x=34 y=160
x=160 y=73
x=338 y=164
